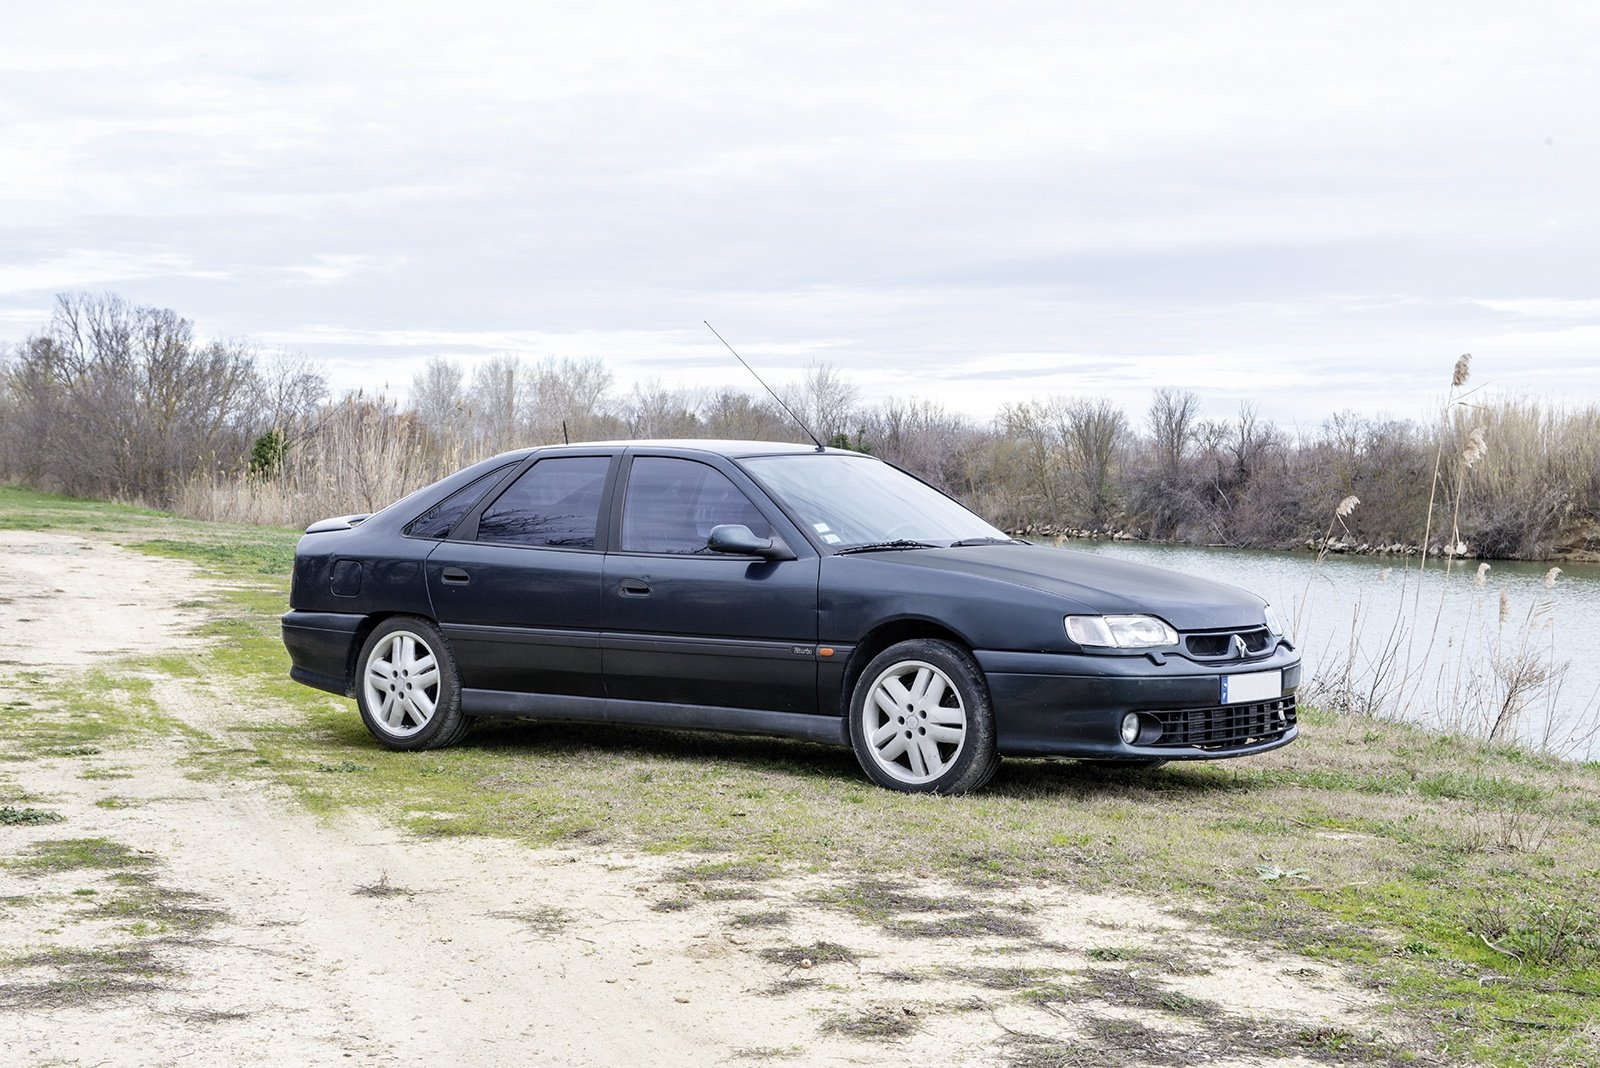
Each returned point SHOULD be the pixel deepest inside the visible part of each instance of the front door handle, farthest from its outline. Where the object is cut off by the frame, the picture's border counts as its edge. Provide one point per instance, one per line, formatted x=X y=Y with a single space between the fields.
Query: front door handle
x=455 y=576
x=635 y=588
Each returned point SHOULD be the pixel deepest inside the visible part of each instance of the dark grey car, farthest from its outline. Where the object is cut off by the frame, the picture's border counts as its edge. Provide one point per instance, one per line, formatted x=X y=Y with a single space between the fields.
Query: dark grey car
x=775 y=589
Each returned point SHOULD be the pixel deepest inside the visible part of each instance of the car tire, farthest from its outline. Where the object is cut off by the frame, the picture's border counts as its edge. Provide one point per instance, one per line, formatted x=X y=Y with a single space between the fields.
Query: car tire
x=407 y=687
x=921 y=721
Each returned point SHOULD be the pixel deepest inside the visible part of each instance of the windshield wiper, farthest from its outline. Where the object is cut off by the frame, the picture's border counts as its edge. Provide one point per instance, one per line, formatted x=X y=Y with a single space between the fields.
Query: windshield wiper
x=882 y=546
x=983 y=541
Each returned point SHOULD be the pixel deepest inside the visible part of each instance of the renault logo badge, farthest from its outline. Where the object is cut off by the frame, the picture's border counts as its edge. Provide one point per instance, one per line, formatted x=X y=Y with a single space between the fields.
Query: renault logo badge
x=1240 y=650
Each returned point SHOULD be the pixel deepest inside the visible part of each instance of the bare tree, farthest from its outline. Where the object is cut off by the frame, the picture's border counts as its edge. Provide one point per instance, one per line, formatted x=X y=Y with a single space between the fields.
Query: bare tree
x=438 y=400
x=733 y=413
x=1249 y=440
x=923 y=437
x=1164 y=491
x=1172 y=418
x=1029 y=450
x=124 y=401
x=569 y=393
x=1091 y=435
x=501 y=396
x=826 y=401
x=291 y=386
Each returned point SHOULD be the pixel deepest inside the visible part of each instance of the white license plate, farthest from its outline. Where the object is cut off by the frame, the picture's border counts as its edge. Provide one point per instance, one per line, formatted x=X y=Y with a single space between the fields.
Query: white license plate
x=1248 y=689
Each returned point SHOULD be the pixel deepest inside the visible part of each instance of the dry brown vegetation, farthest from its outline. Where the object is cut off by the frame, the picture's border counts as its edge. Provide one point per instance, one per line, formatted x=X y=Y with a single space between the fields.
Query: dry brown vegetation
x=122 y=402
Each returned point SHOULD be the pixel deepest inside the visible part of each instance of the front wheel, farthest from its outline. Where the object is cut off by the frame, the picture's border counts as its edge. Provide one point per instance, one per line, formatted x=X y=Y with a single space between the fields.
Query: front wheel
x=407 y=687
x=920 y=719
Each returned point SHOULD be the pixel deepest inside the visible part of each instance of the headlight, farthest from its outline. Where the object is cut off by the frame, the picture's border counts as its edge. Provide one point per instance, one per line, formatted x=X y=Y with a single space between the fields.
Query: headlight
x=1120 y=632
x=1274 y=624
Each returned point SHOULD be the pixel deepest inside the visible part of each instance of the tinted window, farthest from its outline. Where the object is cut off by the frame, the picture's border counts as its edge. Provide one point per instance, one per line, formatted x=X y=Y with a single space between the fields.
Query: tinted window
x=437 y=521
x=556 y=502
x=672 y=505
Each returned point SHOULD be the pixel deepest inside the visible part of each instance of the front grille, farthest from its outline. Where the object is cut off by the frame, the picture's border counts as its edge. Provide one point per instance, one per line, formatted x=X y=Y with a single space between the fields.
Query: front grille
x=1225 y=727
x=1219 y=645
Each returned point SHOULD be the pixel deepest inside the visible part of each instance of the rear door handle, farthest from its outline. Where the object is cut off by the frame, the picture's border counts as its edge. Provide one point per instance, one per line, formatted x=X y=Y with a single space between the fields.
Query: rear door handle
x=455 y=576
x=635 y=588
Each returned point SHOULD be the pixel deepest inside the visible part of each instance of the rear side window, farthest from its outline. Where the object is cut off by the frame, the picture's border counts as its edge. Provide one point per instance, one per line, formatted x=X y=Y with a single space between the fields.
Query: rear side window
x=555 y=503
x=672 y=505
x=439 y=520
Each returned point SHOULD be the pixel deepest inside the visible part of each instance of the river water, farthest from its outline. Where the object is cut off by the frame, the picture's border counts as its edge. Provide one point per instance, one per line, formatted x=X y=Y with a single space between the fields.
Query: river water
x=1380 y=635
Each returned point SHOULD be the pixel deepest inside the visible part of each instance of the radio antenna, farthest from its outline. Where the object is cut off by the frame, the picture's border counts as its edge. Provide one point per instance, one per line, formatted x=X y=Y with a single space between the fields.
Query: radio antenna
x=766 y=387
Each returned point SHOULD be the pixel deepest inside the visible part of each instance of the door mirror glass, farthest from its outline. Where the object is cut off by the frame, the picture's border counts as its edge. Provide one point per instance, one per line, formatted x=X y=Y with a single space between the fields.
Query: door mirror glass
x=736 y=538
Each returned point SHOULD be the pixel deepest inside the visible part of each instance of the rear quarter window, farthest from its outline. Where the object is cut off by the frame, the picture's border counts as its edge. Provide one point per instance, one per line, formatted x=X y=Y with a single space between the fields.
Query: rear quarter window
x=438 y=521
x=555 y=504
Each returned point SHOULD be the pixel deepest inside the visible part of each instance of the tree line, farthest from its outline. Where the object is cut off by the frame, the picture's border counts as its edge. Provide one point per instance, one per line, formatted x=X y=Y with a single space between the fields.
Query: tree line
x=115 y=400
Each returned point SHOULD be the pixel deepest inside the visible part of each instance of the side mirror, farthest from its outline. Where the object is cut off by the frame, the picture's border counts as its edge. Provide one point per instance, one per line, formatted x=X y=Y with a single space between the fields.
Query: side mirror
x=740 y=540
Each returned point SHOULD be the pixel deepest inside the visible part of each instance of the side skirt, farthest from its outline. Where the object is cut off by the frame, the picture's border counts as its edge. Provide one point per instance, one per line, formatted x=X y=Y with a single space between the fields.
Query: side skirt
x=830 y=730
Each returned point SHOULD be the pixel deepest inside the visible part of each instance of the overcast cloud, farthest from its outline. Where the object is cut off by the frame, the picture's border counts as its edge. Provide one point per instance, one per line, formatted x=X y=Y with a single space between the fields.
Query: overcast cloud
x=1308 y=207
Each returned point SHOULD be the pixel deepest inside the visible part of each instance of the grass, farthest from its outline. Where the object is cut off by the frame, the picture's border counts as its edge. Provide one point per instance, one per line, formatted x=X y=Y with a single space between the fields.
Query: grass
x=130 y=922
x=817 y=953
x=381 y=888
x=877 y=1024
x=77 y=976
x=77 y=854
x=544 y=920
x=1460 y=879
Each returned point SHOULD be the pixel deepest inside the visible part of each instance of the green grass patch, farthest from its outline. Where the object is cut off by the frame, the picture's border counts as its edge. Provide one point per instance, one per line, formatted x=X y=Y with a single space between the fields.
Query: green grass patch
x=80 y=854
x=87 y=715
x=144 y=907
x=269 y=552
x=26 y=509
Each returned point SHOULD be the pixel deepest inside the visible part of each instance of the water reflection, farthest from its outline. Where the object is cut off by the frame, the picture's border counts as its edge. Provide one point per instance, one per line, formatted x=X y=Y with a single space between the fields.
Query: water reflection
x=1441 y=650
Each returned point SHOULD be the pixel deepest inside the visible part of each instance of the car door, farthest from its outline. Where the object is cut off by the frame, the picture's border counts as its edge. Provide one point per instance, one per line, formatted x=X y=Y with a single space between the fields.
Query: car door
x=517 y=589
x=684 y=625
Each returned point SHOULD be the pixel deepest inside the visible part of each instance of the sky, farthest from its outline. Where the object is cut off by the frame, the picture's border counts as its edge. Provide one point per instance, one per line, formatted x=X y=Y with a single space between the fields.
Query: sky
x=1306 y=208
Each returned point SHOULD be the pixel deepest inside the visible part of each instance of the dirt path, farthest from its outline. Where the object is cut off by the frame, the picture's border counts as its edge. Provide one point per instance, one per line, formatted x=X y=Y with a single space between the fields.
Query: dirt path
x=316 y=942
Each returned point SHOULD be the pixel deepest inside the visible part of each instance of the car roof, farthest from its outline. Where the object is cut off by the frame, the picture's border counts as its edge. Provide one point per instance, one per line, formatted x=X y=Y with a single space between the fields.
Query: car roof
x=721 y=447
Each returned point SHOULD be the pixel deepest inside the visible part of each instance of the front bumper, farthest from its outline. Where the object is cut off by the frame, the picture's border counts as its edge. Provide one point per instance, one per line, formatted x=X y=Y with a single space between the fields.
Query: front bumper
x=1066 y=704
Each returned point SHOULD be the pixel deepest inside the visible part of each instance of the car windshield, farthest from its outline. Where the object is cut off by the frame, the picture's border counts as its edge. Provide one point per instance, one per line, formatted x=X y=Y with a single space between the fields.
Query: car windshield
x=851 y=501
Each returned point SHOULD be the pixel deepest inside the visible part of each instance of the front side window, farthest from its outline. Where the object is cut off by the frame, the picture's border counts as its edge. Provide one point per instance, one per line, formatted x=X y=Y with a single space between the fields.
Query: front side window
x=672 y=504
x=555 y=503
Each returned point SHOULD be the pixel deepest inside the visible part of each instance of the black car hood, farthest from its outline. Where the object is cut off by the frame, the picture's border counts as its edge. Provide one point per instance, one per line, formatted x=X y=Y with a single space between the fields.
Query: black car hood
x=1098 y=583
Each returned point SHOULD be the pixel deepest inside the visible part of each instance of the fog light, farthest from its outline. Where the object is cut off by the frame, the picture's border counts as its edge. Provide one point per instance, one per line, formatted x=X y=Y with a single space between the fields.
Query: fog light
x=1130 y=728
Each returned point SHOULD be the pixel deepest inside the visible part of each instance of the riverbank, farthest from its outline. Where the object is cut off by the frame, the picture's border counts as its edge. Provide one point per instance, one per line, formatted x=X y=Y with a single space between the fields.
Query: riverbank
x=1579 y=545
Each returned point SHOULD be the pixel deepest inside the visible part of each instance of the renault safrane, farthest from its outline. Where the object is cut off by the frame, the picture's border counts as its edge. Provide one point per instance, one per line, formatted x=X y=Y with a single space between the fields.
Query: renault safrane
x=774 y=589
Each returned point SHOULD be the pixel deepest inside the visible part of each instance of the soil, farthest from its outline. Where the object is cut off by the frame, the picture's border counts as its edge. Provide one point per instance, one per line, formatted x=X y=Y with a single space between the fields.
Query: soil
x=345 y=940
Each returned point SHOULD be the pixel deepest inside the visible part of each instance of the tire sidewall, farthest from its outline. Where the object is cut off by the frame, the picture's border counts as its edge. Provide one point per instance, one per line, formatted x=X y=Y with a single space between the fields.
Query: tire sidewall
x=443 y=727
x=974 y=764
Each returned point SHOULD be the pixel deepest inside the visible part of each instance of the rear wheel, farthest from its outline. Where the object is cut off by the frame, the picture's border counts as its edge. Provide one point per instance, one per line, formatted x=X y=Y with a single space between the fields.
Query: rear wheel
x=407 y=688
x=920 y=719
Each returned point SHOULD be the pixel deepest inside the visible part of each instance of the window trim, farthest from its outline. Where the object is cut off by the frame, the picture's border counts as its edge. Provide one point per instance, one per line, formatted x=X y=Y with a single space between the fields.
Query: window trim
x=753 y=493
x=467 y=529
